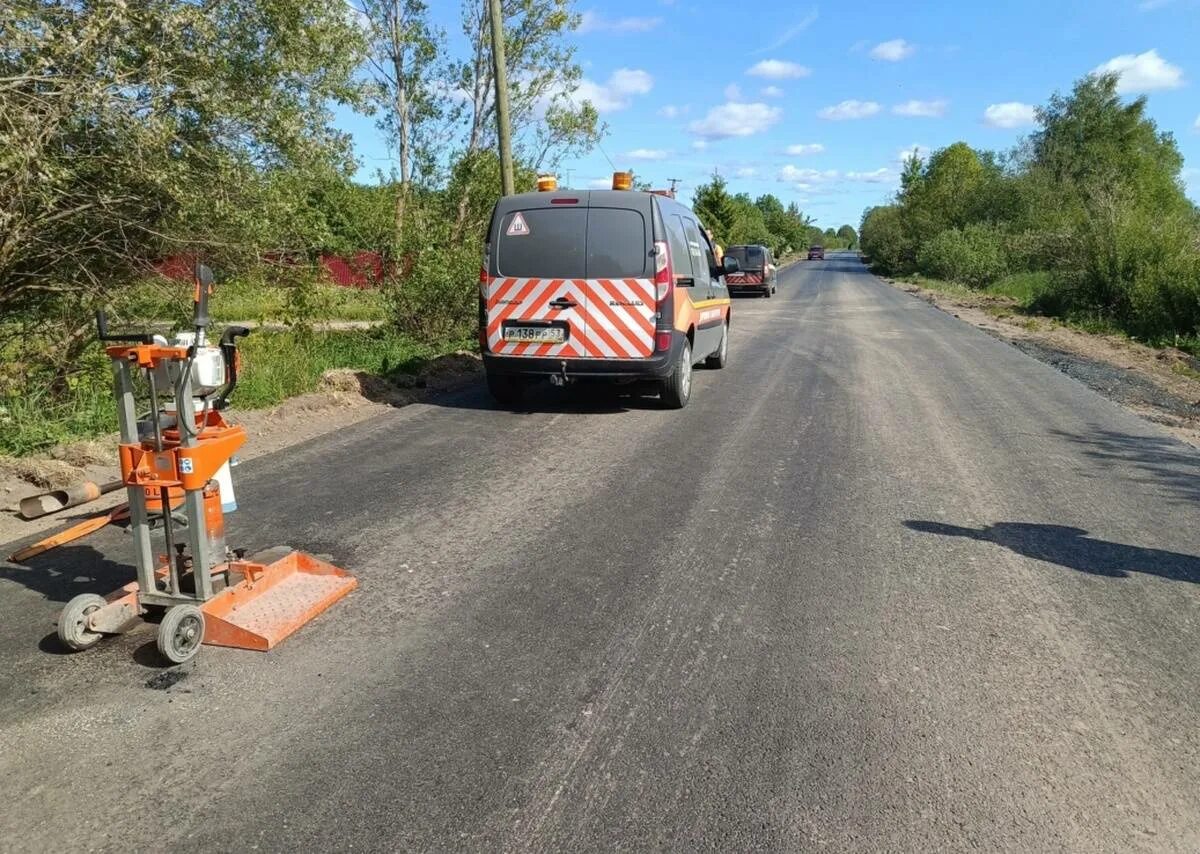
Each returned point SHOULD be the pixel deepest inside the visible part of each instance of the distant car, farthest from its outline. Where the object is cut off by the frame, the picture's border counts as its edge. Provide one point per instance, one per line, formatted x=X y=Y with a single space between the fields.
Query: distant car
x=816 y=253
x=757 y=273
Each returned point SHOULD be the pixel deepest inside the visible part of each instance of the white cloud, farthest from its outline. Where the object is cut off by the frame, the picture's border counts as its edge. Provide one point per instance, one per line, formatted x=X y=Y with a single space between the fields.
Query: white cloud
x=594 y=22
x=1010 y=114
x=670 y=111
x=917 y=150
x=882 y=175
x=647 y=154
x=893 y=51
x=600 y=183
x=922 y=109
x=791 y=32
x=1151 y=5
x=772 y=92
x=805 y=148
x=778 y=69
x=616 y=93
x=849 y=110
x=1196 y=126
x=746 y=172
x=700 y=144
x=733 y=92
x=735 y=119
x=808 y=177
x=1142 y=72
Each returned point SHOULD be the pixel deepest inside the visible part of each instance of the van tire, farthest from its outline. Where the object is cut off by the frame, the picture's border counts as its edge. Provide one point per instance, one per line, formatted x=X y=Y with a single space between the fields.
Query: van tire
x=676 y=390
x=767 y=292
x=720 y=358
x=506 y=390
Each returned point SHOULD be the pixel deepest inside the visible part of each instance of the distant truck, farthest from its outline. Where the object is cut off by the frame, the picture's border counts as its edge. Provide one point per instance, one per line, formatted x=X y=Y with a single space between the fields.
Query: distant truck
x=816 y=253
x=758 y=272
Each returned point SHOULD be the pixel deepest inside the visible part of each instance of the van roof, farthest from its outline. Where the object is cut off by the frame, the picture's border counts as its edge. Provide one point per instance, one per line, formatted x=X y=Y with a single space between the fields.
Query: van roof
x=633 y=199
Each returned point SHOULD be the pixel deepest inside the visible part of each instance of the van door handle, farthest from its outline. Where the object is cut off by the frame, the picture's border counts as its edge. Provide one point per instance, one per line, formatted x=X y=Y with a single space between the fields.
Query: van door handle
x=563 y=302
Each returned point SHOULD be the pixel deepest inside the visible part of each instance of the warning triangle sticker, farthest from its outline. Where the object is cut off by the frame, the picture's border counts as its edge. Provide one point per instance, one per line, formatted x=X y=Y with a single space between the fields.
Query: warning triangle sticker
x=517 y=228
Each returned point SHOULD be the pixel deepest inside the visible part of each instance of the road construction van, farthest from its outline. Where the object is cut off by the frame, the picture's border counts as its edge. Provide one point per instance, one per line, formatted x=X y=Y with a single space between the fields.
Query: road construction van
x=758 y=271
x=616 y=285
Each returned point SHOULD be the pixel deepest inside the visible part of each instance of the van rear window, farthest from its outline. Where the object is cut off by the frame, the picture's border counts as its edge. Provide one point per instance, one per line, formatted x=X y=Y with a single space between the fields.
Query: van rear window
x=616 y=247
x=747 y=256
x=551 y=247
x=573 y=243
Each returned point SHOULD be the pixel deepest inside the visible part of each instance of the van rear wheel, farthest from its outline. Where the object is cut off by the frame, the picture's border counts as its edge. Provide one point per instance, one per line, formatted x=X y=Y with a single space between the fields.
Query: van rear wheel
x=676 y=389
x=506 y=390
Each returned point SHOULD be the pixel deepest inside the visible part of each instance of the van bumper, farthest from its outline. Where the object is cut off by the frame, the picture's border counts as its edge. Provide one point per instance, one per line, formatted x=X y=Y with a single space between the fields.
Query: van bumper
x=656 y=366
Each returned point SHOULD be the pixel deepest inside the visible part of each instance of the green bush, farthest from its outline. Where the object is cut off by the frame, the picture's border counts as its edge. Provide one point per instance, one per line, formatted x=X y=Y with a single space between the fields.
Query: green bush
x=885 y=241
x=973 y=256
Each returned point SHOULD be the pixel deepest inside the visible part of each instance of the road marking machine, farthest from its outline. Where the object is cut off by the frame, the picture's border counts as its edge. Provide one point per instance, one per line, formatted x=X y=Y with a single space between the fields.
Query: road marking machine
x=175 y=468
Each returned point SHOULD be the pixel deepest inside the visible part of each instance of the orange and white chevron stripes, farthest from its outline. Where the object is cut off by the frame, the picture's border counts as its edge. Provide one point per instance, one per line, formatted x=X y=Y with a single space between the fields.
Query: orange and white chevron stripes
x=743 y=278
x=606 y=318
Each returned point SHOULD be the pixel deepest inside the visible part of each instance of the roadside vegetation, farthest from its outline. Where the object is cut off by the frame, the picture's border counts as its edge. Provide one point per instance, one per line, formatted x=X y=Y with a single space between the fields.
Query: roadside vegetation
x=133 y=133
x=1086 y=220
x=736 y=220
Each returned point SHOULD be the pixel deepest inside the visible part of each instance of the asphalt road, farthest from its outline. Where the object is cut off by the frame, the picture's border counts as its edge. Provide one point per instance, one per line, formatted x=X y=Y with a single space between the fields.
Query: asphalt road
x=886 y=584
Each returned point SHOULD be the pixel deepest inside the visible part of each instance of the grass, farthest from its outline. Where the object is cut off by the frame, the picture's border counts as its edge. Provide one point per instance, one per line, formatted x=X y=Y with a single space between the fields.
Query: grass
x=275 y=366
x=256 y=300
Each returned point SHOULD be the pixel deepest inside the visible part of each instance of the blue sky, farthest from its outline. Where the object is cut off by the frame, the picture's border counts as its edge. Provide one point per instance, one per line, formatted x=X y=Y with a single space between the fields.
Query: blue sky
x=817 y=103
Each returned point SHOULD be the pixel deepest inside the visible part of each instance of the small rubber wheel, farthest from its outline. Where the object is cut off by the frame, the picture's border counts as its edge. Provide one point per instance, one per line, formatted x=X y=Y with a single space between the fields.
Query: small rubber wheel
x=506 y=390
x=180 y=633
x=720 y=358
x=676 y=389
x=73 y=630
x=767 y=293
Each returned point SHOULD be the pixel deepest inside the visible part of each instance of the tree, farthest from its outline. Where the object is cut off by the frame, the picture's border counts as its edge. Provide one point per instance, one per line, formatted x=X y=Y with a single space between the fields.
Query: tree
x=715 y=207
x=132 y=129
x=847 y=235
x=542 y=77
x=402 y=54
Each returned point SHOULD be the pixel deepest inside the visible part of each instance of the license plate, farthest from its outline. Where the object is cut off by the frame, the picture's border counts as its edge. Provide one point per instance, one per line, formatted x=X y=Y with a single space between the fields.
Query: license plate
x=535 y=334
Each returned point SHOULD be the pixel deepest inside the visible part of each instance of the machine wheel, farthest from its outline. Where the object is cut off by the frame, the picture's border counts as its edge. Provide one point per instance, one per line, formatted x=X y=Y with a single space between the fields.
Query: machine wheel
x=180 y=633
x=720 y=358
x=676 y=389
x=767 y=292
x=72 y=622
x=506 y=390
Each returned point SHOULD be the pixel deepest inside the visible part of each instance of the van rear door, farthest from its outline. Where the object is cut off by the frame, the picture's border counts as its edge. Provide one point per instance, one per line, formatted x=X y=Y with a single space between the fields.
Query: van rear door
x=536 y=301
x=621 y=299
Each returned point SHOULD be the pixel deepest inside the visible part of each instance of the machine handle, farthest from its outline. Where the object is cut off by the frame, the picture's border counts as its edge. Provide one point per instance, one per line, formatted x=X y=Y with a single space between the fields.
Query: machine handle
x=203 y=280
x=105 y=335
x=229 y=355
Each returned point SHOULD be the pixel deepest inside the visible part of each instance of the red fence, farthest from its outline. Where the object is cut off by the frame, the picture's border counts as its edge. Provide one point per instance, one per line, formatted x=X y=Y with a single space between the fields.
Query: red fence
x=361 y=270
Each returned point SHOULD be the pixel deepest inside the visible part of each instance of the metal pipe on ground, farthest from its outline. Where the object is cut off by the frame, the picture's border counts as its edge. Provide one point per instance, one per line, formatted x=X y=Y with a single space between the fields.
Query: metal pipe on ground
x=36 y=506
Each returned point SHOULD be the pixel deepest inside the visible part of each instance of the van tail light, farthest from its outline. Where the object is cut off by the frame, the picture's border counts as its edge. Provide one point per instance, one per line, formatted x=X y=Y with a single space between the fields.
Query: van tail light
x=483 y=271
x=664 y=287
x=664 y=282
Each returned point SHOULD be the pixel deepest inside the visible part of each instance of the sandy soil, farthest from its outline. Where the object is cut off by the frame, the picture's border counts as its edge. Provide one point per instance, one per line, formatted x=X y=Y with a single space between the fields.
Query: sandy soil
x=1159 y=384
x=345 y=397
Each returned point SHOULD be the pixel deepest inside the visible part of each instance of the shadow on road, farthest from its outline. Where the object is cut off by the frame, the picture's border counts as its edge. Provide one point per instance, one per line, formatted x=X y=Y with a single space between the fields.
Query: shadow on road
x=1074 y=549
x=68 y=571
x=1165 y=461
x=585 y=398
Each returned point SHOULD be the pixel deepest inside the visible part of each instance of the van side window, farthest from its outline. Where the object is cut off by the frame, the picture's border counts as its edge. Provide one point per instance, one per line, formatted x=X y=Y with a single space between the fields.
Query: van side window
x=697 y=246
x=681 y=259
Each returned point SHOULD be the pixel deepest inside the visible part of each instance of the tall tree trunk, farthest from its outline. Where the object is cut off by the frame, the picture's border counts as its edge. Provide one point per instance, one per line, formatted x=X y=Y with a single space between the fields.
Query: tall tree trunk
x=404 y=120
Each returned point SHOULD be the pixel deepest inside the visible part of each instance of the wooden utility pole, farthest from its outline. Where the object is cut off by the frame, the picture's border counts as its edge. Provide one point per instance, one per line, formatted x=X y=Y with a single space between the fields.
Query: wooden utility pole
x=500 y=76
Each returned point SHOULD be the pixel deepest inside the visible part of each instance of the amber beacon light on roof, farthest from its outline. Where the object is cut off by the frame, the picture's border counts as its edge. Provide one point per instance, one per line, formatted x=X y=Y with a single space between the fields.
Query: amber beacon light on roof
x=622 y=180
